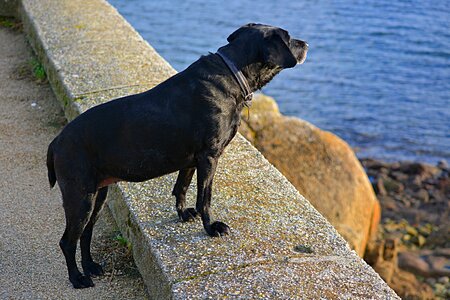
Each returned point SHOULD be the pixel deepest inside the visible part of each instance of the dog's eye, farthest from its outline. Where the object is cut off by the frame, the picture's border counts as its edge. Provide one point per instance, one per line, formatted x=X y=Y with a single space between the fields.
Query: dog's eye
x=285 y=36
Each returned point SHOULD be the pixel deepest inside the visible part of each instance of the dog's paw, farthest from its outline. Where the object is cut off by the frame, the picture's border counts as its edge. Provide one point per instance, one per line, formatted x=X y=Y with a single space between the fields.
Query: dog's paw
x=218 y=229
x=189 y=214
x=81 y=281
x=92 y=269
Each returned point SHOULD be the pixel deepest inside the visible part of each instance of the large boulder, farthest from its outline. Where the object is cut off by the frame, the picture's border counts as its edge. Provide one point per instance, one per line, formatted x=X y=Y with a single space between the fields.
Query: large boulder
x=320 y=165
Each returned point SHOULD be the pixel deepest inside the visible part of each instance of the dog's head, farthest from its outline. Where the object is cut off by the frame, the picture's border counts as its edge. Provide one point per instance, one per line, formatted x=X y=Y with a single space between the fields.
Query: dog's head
x=274 y=44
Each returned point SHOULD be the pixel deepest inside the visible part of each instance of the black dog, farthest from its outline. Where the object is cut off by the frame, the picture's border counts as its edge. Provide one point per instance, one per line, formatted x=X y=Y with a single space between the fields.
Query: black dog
x=182 y=124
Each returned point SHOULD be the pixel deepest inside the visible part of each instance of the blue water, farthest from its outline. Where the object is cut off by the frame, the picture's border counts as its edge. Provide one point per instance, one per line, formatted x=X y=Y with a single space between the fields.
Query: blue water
x=377 y=73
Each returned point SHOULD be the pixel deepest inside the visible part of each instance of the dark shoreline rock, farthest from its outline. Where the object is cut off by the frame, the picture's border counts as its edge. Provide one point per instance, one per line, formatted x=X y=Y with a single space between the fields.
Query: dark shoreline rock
x=414 y=191
x=415 y=201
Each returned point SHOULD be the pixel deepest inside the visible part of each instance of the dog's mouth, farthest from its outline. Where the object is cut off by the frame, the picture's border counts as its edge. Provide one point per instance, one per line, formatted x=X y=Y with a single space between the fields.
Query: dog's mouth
x=301 y=59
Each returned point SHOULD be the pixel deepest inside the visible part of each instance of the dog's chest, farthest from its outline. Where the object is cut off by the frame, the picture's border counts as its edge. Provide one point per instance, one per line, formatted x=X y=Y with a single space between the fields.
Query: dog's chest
x=228 y=127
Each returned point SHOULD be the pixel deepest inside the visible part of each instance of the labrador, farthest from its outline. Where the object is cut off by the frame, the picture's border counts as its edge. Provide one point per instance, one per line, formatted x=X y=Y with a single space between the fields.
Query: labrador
x=183 y=124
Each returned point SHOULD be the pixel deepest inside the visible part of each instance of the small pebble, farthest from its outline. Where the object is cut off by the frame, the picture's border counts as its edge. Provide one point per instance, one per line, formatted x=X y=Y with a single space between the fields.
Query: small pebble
x=442 y=164
x=443 y=280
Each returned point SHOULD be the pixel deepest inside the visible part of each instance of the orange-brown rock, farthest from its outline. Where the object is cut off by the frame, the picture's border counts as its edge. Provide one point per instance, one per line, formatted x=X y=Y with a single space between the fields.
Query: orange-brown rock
x=320 y=165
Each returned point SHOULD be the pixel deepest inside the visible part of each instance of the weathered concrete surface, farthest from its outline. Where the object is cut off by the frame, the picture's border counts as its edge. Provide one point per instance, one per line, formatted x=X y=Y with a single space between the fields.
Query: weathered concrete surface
x=93 y=55
x=309 y=277
x=31 y=215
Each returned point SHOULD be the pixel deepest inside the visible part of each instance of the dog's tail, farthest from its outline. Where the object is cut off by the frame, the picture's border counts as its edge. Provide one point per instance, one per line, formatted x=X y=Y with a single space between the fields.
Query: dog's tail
x=51 y=166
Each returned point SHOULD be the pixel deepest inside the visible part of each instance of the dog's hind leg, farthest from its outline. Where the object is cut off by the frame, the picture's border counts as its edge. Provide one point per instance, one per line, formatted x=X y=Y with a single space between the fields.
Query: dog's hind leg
x=179 y=191
x=89 y=266
x=78 y=206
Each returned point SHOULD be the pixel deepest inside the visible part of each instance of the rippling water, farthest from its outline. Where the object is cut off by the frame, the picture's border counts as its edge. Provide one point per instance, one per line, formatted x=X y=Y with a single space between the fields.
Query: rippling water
x=377 y=73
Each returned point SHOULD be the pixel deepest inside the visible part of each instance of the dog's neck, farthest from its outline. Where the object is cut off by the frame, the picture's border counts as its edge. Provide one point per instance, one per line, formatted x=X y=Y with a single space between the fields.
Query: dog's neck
x=256 y=73
x=263 y=74
x=240 y=78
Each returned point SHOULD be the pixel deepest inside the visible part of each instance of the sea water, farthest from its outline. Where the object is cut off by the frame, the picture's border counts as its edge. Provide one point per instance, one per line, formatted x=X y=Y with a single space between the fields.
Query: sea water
x=377 y=73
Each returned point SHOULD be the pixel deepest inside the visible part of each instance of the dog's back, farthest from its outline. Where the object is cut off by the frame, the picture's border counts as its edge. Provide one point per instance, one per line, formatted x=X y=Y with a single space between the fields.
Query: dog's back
x=143 y=136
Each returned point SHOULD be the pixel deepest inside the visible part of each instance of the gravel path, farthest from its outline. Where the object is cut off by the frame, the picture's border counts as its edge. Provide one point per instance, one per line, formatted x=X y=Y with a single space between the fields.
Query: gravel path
x=31 y=215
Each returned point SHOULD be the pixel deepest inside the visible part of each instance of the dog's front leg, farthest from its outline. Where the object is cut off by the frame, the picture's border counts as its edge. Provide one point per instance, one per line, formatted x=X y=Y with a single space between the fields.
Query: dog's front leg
x=179 y=191
x=206 y=168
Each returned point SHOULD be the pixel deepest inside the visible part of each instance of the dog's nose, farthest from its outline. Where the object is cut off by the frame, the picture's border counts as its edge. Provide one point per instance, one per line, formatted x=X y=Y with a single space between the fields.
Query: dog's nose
x=301 y=44
x=305 y=45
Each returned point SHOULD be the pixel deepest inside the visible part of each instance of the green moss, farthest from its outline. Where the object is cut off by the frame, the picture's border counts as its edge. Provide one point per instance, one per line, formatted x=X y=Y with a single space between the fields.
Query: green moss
x=7 y=22
x=79 y=99
x=65 y=100
x=303 y=249
x=38 y=70
x=123 y=241
x=80 y=26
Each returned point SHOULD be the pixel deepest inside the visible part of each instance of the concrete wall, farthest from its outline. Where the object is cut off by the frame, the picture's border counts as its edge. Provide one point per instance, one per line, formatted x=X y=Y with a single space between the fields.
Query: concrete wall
x=280 y=246
x=8 y=8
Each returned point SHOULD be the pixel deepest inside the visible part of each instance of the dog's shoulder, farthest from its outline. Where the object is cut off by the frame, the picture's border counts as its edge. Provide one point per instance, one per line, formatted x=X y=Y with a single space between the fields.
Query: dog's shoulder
x=207 y=66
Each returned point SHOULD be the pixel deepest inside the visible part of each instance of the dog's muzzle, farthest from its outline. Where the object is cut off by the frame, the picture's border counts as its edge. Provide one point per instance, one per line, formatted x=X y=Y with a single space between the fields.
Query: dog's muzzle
x=299 y=49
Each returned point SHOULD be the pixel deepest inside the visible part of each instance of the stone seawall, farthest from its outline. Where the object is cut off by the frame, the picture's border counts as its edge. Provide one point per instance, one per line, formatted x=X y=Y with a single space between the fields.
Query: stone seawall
x=280 y=246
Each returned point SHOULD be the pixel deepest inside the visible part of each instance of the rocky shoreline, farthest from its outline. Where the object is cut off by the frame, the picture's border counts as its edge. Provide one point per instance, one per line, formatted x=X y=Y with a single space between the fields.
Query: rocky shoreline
x=412 y=250
x=414 y=191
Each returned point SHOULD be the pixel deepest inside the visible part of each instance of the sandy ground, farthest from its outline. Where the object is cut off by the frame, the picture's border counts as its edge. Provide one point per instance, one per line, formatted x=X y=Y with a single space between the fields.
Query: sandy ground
x=31 y=215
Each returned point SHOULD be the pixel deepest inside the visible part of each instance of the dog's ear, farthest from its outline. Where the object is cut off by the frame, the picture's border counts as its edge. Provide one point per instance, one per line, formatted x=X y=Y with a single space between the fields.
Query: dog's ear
x=240 y=31
x=276 y=51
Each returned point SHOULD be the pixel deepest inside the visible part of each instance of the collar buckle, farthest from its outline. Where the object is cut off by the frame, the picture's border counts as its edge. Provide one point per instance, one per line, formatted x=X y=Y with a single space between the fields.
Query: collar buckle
x=248 y=99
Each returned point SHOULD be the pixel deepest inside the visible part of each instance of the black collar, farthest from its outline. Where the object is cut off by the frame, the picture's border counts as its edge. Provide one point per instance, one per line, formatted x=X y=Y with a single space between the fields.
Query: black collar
x=240 y=78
